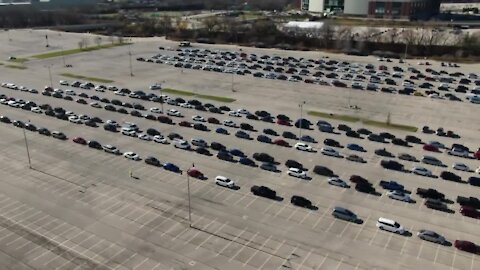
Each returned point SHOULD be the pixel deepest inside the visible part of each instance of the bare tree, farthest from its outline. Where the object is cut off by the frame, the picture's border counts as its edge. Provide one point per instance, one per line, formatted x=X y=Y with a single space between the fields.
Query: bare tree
x=165 y=23
x=98 y=41
x=86 y=42
x=120 y=40
x=81 y=44
x=210 y=23
x=111 y=39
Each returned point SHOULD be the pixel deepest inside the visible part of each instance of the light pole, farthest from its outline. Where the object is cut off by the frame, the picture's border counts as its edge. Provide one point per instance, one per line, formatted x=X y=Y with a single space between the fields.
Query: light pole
x=26 y=146
x=189 y=205
x=50 y=75
x=130 y=60
x=300 y=126
x=233 y=90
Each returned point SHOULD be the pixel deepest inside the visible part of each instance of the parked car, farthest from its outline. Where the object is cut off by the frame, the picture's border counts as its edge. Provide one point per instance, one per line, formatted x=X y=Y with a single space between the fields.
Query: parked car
x=345 y=214
x=263 y=191
x=300 y=201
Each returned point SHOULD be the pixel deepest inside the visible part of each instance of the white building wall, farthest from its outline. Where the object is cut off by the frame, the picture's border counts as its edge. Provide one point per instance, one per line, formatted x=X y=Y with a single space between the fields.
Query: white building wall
x=316 y=5
x=356 y=7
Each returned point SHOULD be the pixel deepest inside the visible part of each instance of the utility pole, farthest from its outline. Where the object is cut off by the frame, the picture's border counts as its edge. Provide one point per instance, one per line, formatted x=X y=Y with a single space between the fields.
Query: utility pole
x=50 y=75
x=26 y=146
x=233 y=90
x=130 y=59
x=189 y=205
x=300 y=126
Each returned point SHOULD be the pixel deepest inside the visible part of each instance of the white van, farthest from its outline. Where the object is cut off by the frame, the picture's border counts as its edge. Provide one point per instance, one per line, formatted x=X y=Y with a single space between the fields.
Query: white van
x=181 y=144
x=224 y=181
x=390 y=225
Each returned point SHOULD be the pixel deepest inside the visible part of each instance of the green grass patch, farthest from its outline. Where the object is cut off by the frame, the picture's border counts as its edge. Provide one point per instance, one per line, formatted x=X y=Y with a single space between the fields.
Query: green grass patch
x=390 y=125
x=75 y=51
x=346 y=118
x=16 y=66
x=217 y=98
x=80 y=77
x=190 y=94
x=18 y=60
x=178 y=92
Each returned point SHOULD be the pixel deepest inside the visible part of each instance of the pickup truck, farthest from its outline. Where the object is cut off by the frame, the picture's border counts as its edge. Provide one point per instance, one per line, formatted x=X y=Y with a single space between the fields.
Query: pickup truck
x=430 y=193
x=469 y=201
x=391 y=185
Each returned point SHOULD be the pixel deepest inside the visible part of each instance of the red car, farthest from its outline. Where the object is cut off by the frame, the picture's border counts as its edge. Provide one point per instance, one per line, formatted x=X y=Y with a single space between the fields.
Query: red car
x=429 y=147
x=193 y=172
x=466 y=246
x=281 y=142
x=185 y=124
x=213 y=120
x=283 y=122
x=79 y=140
x=477 y=154
x=469 y=212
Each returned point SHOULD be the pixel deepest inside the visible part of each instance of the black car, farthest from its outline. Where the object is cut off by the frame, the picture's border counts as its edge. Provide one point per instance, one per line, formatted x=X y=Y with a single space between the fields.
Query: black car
x=30 y=127
x=343 y=127
x=202 y=151
x=214 y=110
x=270 y=131
x=152 y=132
x=49 y=113
x=264 y=139
x=446 y=175
x=200 y=126
x=263 y=157
x=391 y=165
x=90 y=123
x=110 y=127
x=44 y=131
x=95 y=144
x=110 y=108
x=289 y=135
x=153 y=161
x=413 y=139
x=375 y=138
x=352 y=134
x=303 y=123
x=251 y=117
x=398 y=141
x=387 y=135
x=217 y=146
x=224 y=108
x=224 y=155
x=293 y=164
x=5 y=119
x=246 y=161
x=81 y=101
x=364 y=131
x=263 y=191
x=321 y=170
x=172 y=136
x=123 y=111
x=246 y=126
x=300 y=201
x=364 y=187
x=332 y=142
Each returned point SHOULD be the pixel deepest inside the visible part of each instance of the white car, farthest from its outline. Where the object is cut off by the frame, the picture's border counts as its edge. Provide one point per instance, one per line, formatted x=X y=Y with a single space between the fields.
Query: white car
x=119 y=93
x=62 y=82
x=110 y=149
x=14 y=104
x=112 y=122
x=229 y=123
x=186 y=105
x=182 y=144
x=131 y=155
x=129 y=132
x=328 y=151
x=243 y=111
x=198 y=118
x=155 y=110
x=99 y=89
x=460 y=166
x=390 y=225
x=399 y=195
x=224 y=181
x=70 y=92
x=75 y=119
x=173 y=112
x=478 y=170
x=435 y=96
x=145 y=137
x=335 y=181
x=84 y=117
x=303 y=147
x=69 y=113
x=234 y=114
x=295 y=172
x=95 y=105
x=421 y=171
x=160 y=139
x=36 y=110
x=156 y=86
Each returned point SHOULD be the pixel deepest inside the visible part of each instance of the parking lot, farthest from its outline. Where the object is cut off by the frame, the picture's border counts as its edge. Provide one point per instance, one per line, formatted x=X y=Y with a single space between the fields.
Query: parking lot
x=78 y=207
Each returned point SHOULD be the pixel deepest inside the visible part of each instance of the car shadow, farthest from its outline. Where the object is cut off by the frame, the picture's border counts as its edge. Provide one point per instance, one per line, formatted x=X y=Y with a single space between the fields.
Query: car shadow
x=312 y=207
x=407 y=234
x=278 y=199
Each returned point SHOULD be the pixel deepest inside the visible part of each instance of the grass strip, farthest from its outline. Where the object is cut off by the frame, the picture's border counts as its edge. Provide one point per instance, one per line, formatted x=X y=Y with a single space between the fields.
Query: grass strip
x=74 y=51
x=349 y=118
x=346 y=118
x=191 y=94
x=80 y=77
x=16 y=66
x=18 y=60
x=390 y=125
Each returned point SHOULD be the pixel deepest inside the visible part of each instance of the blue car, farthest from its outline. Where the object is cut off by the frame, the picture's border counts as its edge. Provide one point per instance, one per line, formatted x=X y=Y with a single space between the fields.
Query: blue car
x=246 y=161
x=355 y=147
x=236 y=152
x=221 y=131
x=171 y=167
x=307 y=138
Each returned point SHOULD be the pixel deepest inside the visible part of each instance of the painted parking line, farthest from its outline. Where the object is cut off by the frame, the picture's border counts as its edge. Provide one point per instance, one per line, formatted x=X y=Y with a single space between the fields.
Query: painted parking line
x=257 y=250
x=250 y=203
x=373 y=238
x=169 y=218
x=229 y=243
x=287 y=259
x=388 y=241
x=21 y=236
x=211 y=235
x=420 y=250
x=53 y=240
x=339 y=263
x=323 y=261
x=67 y=249
x=201 y=230
x=128 y=259
x=218 y=193
x=305 y=259
x=139 y=264
x=243 y=246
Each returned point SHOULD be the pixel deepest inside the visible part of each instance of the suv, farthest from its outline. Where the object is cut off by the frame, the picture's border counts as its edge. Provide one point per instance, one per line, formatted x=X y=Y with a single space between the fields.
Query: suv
x=321 y=170
x=300 y=201
x=432 y=161
x=345 y=214
x=390 y=225
x=263 y=191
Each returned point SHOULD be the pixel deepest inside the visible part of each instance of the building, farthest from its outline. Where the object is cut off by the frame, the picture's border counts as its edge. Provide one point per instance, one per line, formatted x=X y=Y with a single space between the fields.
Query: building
x=396 y=9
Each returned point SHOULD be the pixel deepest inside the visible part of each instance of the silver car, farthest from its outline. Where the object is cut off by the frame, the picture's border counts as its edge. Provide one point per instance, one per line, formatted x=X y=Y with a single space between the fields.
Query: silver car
x=345 y=214
x=431 y=236
x=432 y=161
